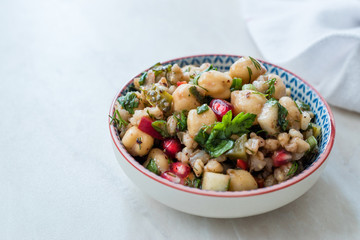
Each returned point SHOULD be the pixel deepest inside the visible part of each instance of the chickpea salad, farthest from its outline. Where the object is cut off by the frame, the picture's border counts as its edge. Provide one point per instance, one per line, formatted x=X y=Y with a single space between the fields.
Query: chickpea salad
x=221 y=131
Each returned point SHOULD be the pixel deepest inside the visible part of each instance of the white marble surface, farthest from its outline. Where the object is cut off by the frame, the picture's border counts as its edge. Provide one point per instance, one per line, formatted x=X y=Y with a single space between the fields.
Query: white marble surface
x=62 y=62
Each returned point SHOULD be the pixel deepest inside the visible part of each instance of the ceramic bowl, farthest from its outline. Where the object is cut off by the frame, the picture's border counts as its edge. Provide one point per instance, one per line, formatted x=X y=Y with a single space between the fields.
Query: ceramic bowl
x=243 y=203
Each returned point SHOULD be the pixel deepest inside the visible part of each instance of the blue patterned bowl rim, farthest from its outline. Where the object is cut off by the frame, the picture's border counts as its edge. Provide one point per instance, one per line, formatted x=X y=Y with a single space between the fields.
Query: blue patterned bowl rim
x=300 y=90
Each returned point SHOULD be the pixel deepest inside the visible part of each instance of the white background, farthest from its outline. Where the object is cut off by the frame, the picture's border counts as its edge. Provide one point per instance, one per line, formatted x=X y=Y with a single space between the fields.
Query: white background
x=61 y=64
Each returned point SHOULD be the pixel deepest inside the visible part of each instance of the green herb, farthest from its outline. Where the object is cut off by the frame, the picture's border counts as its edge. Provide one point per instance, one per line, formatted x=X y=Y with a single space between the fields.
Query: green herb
x=195 y=183
x=196 y=78
x=256 y=63
x=129 y=102
x=236 y=84
x=158 y=69
x=152 y=166
x=117 y=119
x=282 y=113
x=161 y=127
x=143 y=78
x=298 y=107
x=138 y=140
x=202 y=108
x=303 y=106
x=293 y=169
x=271 y=89
x=250 y=73
x=193 y=90
x=218 y=141
x=181 y=124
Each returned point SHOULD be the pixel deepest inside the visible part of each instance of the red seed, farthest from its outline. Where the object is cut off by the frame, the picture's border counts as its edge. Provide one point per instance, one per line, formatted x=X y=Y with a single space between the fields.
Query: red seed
x=180 y=169
x=220 y=107
x=260 y=182
x=172 y=177
x=146 y=127
x=180 y=83
x=241 y=164
x=172 y=146
x=281 y=157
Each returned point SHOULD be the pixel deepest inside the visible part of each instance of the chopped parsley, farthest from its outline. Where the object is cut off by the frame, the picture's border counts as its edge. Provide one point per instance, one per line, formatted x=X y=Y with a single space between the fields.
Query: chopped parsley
x=203 y=108
x=158 y=69
x=129 y=102
x=143 y=78
x=152 y=166
x=298 y=107
x=282 y=114
x=195 y=183
x=193 y=90
x=181 y=124
x=218 y=141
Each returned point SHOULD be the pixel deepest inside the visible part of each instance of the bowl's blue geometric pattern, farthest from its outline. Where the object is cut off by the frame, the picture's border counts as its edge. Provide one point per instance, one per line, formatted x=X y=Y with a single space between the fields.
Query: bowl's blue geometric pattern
x=299 y=90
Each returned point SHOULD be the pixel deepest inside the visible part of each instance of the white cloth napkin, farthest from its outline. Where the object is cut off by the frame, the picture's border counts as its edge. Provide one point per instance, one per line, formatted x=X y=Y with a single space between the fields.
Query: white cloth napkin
x=318 y=40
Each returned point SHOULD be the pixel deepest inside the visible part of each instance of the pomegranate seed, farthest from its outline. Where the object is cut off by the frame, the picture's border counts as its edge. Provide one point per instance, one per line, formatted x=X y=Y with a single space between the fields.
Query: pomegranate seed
x=172 y=146
x=241 y=164
x=220 y=107
x=260 y=182
x=180 y=169
x=180 y=83
x=145 y=126
x=172 y=177
x=281 y=157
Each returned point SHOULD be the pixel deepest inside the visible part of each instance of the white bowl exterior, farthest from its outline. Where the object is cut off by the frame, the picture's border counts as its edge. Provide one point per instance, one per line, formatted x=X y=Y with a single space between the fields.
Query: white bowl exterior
x=216 y=207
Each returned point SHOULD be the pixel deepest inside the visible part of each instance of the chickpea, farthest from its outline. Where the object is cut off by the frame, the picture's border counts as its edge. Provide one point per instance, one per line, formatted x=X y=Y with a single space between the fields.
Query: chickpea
x=184 y=100
x=216 y=83
x=195 y=121
x=136 y=142
x=241 y=180
x=247 y=101
x=240 y=69
x=160 y=158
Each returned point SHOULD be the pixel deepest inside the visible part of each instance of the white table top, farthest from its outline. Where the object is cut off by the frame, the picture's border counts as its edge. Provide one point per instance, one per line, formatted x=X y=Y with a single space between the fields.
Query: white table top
x=62 y=62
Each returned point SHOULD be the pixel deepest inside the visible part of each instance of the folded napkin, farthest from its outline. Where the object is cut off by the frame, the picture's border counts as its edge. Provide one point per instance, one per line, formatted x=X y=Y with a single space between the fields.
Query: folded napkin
x=318 y=40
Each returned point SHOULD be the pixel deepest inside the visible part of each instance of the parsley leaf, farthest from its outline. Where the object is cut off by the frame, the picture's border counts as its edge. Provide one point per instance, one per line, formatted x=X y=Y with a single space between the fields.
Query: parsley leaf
x=236 y=84
x=181 y=124
x=129 y=102
x=142 y=78
x=303 y=106
x=195 y=183
x=283 y=123
x=193 y=90
x=153 y=167
x=218 y=142
x=282 y=114
x=161 y=127
x=203 y=108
